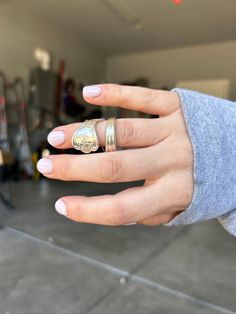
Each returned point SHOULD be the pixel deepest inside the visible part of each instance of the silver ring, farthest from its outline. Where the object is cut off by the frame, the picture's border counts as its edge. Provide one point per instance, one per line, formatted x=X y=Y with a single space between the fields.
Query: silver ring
x=110 y=135
x=85 y=137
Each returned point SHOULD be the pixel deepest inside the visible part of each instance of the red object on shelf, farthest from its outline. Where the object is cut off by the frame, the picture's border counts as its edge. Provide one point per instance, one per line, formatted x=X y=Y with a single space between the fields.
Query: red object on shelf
x=177 y=1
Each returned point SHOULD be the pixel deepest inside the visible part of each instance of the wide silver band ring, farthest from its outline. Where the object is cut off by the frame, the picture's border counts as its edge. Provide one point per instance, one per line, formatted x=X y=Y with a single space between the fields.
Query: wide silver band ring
x=85 y=137
x=110 y=135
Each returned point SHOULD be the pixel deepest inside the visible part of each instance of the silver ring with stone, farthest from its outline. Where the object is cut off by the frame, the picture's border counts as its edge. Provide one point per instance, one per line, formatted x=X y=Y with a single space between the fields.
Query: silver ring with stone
x=111 y=135
x=85 y=137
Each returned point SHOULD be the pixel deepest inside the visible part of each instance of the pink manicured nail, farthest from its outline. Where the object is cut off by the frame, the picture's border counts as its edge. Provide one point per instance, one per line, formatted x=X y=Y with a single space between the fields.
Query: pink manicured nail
x=44 y=165
x=56 y=138
x=92 y=91
x=60 y=207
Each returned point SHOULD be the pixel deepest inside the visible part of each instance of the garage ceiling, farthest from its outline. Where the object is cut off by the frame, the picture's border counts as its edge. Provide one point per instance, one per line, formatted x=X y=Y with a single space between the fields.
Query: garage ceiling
x=163 y=24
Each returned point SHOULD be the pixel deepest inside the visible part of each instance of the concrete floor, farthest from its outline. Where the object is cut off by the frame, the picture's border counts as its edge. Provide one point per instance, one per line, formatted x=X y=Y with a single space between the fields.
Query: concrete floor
x=49 y=264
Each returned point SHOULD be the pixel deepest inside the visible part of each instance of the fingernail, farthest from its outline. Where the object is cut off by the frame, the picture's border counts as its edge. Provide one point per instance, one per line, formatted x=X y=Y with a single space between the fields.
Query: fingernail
x=92 y=91
x=44 y=165
x=131 y=223
x=60 y=207
x=56 y=138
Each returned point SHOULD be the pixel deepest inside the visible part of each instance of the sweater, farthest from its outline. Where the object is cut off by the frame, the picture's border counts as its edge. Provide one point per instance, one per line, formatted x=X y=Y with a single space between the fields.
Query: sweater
x=211 y=125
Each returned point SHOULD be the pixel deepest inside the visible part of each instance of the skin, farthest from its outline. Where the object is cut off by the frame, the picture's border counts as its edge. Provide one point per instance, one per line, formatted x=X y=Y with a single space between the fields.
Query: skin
x=158 y=151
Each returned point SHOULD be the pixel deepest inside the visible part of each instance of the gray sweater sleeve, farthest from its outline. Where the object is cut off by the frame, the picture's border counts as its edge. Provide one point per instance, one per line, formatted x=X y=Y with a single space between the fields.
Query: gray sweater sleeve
x=211 y=124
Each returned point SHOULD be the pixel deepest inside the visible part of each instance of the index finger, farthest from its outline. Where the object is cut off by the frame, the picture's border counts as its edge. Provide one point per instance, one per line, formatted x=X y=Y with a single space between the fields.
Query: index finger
x=142 y=99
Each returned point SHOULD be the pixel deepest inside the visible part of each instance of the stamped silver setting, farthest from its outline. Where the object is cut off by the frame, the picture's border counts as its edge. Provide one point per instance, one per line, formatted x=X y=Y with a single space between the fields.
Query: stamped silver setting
x=85 y=137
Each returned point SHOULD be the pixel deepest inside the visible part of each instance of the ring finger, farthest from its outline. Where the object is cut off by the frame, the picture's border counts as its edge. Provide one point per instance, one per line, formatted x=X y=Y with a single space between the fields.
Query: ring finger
x=129 y=132
x=121 y=166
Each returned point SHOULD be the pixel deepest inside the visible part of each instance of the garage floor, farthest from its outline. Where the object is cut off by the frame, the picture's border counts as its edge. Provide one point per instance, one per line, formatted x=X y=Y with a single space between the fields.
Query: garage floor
x=51 y=265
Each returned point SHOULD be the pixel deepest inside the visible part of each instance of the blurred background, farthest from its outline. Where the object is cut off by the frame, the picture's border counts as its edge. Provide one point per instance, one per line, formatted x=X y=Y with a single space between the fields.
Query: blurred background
x=50 y=50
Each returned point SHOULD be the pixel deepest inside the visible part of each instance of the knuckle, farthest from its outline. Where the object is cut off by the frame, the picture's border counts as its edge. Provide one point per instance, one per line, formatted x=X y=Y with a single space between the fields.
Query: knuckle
x=63 y=169
x=183 y=199
x=183 y=156
x=187 y=159
x=155 y=132
x=111 y=89
x=120 y=213
x=117 y=90
x=148 y=94
x=127 y=133
x=110 y=168
x=183 y=159
x=180 y=190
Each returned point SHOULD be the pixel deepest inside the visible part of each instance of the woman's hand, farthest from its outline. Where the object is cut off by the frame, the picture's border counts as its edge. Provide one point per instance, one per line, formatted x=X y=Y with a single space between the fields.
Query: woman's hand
x=156 y=150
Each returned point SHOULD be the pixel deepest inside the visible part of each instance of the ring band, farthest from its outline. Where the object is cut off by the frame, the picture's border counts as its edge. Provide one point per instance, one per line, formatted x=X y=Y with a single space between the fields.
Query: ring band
x=85 y=137
x=110 y=135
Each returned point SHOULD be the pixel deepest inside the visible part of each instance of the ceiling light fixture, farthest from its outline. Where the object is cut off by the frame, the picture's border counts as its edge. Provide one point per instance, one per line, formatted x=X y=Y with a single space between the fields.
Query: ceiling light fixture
x=124 y=12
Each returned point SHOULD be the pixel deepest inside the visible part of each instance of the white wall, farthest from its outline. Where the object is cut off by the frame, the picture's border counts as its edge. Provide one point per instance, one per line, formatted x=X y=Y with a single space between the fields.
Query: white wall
x=166 y=67
x=21 y=32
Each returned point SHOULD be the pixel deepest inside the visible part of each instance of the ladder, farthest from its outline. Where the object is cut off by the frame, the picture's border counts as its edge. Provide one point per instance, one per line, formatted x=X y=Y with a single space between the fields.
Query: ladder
x=4 y=141
x=21 y=139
